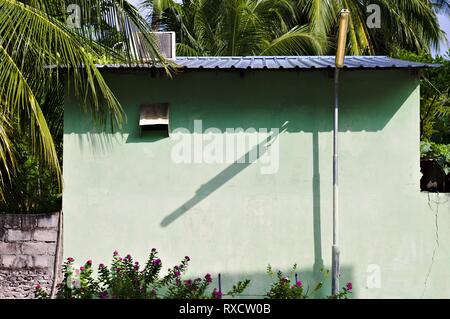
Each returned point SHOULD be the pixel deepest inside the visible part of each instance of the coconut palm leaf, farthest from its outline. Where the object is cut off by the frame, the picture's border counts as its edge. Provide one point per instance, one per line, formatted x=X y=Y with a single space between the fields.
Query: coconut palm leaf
x=35 y=39
x=298 y=41
x=6 y=158
x=243 y=27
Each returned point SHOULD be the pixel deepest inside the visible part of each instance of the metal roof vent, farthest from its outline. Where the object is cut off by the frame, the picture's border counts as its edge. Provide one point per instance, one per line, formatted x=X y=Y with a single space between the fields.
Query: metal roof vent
x=166 y=44
x=154 y=117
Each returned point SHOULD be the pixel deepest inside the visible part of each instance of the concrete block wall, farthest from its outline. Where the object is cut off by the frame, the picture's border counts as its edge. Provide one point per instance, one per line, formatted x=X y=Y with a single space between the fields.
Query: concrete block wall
x=28 y=247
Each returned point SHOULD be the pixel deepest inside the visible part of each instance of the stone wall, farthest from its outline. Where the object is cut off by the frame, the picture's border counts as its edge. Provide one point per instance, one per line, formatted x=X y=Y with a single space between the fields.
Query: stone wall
x=28 y=246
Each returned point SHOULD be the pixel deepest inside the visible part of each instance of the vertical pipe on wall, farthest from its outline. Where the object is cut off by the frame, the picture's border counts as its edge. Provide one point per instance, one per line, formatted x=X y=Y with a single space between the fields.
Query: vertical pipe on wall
x=340 y=61
x=58 y=255
x=335 y=270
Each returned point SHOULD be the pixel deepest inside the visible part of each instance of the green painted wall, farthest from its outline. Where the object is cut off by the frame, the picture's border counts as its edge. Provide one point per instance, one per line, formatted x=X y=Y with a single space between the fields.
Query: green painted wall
x=124 y=192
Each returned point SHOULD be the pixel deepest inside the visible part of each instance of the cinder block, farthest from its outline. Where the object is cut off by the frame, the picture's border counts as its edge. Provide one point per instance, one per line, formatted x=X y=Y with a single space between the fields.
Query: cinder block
x=41 y=261
x=11 y=221
x=47 y=235
x=29 y=222
x=38 y=248
x=9 y=248
x=48 y=221
x=16 y=261
x=17 y=235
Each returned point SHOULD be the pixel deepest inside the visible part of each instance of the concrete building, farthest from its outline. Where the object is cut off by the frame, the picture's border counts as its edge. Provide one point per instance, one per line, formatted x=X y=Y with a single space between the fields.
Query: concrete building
x=269 y=201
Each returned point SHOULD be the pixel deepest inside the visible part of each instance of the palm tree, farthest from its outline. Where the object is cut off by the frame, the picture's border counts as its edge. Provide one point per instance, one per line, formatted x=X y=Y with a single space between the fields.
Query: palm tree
x=34 y=38
x=234 y=27
x=241 y=27
x=405 y=24
x=441 y=5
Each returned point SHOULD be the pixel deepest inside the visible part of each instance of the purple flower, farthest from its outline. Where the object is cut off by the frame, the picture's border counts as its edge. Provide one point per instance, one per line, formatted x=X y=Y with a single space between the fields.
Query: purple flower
x=299 y=283
x=101 y=266
x=115 y=253
x=156 y=262
x=89 y=262
x=217 y=294
x=208 y=278
x=349 y=286
x=187 y=258
x=128 y=257
x=153 y=250
x=103 y=295
x=177 y=273
x=70 y=259
x=188 y=282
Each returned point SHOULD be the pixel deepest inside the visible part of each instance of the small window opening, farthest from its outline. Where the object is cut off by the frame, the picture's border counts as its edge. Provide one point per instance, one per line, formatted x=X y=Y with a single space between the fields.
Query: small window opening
x=154 y=118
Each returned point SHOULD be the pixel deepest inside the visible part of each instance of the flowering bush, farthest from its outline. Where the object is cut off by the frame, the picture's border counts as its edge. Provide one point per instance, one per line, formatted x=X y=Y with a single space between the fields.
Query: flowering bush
x=284 y=288
x=344 y=292
x=126 y=279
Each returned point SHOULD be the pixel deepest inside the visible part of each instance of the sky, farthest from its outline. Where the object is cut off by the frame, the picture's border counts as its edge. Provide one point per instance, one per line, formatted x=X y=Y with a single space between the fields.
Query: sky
x=444 y=20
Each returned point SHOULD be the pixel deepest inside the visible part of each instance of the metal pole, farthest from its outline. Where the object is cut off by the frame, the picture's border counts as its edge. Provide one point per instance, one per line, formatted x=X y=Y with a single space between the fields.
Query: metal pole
x=220 y=285
x=340 y=61
x=335 y=248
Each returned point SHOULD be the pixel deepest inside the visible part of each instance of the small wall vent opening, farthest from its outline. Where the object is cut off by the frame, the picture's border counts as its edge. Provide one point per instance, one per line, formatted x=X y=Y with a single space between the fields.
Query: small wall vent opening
x=154 y=117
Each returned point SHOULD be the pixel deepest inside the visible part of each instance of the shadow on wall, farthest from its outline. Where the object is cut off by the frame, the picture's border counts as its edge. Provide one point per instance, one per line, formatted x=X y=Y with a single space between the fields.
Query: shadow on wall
x=215 y=183
x=303 y=100
x=369 y=99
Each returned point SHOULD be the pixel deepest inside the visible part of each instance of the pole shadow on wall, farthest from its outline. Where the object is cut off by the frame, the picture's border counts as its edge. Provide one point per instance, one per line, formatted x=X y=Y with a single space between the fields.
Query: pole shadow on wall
x=220 y=179
x=318 y=259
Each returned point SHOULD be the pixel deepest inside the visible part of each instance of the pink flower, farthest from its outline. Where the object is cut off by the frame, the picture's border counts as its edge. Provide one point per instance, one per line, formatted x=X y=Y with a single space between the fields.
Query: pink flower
x=349 y=286
x=156 y=262
x=89 y=262
x=70 y=259
x=38 y=287
x=82 y=268
x=217 y=294
x=103 y=295
x=177 y=273
x=299 y=283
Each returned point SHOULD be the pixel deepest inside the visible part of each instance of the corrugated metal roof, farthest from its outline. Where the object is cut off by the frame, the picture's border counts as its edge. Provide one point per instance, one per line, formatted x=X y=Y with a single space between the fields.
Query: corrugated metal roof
x=281 y=62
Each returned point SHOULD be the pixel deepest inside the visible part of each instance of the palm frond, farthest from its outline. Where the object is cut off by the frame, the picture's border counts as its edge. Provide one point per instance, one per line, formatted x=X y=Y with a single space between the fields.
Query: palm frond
x=6 y=156
x=18 y=98
x=298 y=41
